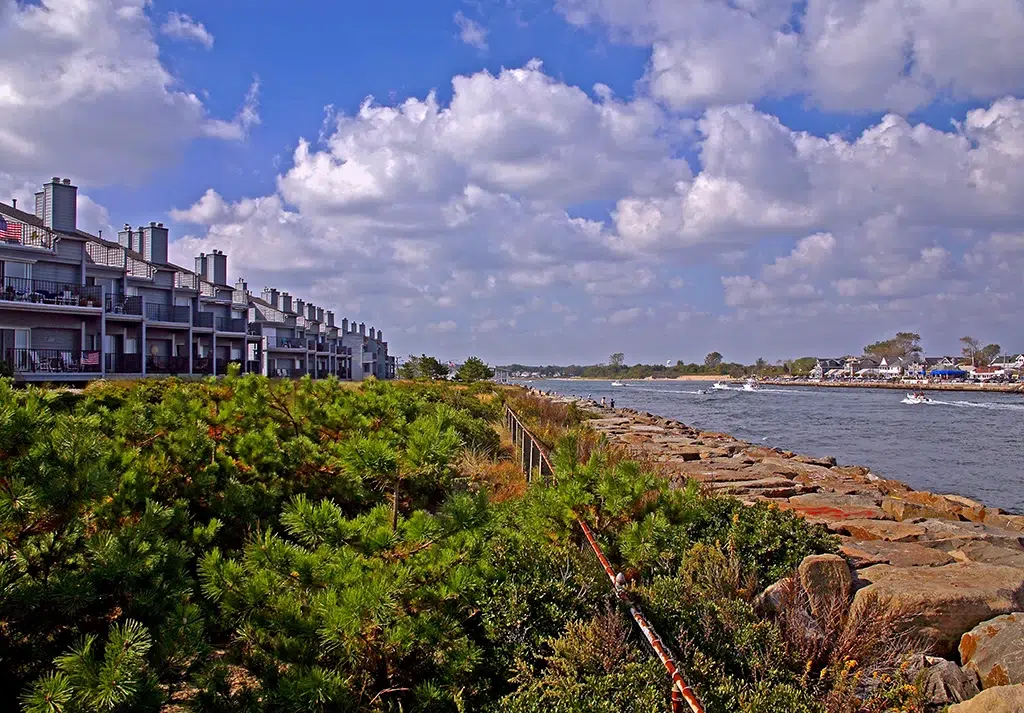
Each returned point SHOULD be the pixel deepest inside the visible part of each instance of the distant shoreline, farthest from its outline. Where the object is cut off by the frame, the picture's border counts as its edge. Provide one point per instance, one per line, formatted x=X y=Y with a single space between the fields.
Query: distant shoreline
x=991 y=388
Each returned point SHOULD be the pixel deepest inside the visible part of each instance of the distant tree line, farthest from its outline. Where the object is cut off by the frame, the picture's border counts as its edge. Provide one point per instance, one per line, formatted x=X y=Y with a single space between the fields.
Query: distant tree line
x=714 y=364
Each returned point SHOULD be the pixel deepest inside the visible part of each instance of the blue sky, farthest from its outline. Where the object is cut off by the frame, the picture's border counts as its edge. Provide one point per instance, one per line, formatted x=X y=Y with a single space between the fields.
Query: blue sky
x=554 y=180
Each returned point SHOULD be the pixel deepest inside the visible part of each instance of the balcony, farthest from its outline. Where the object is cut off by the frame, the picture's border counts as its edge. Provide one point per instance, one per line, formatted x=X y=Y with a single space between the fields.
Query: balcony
x=167 y=365
x=286 y=343
x=228 y=324
x=287 y=372
x=322 y=347
x=311 y=345
x=20 y=289
x=53 y=361
x=202 y=365
x=29 y=236
x=119 y=304
x=252 y=366
x=123 y=363
x=168 y=313
x=203 y=319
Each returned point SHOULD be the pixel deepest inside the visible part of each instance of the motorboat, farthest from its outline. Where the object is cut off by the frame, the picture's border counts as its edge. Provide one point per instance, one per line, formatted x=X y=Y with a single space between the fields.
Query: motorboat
x=916 y=397
x=617 y=383
x=749 y=385
x=702 y=391
x=720 y=386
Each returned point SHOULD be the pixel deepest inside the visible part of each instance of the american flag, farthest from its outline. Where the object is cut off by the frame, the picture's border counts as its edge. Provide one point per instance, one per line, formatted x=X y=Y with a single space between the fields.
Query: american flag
x=91 y=359
x=9 y=231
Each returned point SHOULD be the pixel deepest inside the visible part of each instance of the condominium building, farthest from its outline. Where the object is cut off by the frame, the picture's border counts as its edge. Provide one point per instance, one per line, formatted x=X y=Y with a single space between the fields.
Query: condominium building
x=75 y=307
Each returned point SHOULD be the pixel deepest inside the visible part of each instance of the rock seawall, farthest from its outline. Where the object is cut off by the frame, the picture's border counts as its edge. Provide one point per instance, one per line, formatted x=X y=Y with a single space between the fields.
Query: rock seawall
x=952 y=560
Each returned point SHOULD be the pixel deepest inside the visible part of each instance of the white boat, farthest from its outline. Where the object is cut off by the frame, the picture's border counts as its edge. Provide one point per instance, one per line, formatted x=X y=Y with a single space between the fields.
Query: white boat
x=749 y=385
x=617 y=383
x=720 y=386
x=702 y=391
x=917 y=398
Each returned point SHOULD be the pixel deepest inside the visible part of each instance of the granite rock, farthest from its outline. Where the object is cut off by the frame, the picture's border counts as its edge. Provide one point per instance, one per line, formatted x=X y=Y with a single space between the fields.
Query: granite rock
x=945 y=601
x=827 y=581
x=1002 y=699
x=899 y=554
x=995 y=650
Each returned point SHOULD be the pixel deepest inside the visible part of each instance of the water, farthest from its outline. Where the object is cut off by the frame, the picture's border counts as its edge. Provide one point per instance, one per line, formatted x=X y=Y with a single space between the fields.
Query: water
x=963 y=443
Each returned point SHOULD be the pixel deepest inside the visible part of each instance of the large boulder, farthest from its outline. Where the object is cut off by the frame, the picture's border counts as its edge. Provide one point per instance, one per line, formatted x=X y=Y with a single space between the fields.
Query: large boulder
x=1002 y=699
x=944 y=601
x=899 y=554
x=995 y=649
x=942 y=682
x=902 y=509
x=986 y=552
x=887 y=530
x=827 y=581
x=830 y=507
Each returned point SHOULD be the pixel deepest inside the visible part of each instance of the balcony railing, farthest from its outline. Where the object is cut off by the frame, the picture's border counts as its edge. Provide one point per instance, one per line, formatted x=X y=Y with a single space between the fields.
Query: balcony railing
x=311 y=345
x=322 y=347
x=56 y=361
x=186 y=280
x=252 y=367
x=20 y=289
x=288 y=372
x=123 y=363
x=167 y=364
x=202 y=365
x=30 y=236
x=203 y=319
x=168 y=313
x=229 y=324
x=120 y=304
x=285 y=343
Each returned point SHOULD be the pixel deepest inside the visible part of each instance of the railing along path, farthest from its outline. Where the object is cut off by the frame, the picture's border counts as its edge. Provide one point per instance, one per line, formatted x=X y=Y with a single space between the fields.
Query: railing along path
x=531 y=451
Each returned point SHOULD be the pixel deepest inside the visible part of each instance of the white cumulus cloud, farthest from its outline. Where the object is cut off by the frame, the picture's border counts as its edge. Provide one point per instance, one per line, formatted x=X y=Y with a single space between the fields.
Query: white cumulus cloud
x=183 y=27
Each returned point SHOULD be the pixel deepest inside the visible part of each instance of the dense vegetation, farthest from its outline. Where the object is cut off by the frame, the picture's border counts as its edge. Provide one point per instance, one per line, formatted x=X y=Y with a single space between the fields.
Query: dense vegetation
x=249 y=545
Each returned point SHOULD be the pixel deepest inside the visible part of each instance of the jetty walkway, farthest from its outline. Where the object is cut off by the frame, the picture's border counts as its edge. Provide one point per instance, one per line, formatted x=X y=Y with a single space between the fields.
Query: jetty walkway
x=956 y=563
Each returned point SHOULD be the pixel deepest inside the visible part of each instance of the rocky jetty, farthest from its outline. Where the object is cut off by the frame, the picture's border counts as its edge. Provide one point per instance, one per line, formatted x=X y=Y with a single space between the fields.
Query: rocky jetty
x=957 y=564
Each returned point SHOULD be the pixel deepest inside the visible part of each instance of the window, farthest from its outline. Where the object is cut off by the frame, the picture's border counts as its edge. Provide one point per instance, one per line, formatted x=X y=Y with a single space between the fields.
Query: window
x=22 y=338
x=22 y=270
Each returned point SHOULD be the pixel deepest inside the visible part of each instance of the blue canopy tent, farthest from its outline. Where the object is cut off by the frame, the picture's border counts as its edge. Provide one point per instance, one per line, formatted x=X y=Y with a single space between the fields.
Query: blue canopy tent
x=947 y=372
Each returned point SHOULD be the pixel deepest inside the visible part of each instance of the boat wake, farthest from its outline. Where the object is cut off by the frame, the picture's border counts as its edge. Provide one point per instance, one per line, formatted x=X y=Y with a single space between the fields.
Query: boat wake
x=966 y=404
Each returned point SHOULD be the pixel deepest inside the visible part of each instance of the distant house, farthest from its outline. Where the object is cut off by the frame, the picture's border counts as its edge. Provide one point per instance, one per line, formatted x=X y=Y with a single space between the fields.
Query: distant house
x=1009 y=362
x=865 y=365
x=890 y=368
x=913 y=366
x=943 y=362
x=824 y=368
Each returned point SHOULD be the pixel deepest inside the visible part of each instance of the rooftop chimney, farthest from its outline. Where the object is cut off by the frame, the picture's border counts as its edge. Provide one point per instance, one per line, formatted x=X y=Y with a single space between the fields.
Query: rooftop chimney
x=154 y=246
x=362 y=328
x=57 y=205
x=373 y=333
x=14 y=203
x=344 y=326
x=330 y=318
x=286 y=302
